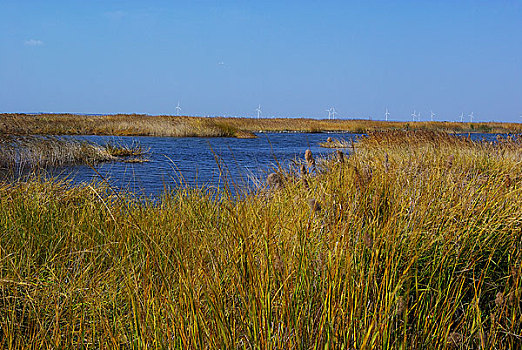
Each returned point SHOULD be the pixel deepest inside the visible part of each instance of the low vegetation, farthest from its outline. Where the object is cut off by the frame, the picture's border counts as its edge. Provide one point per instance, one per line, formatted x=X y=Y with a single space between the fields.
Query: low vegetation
x=118 y=125
x=183 y=126
x=362 y=126
x=33 y=152
x=413 y=241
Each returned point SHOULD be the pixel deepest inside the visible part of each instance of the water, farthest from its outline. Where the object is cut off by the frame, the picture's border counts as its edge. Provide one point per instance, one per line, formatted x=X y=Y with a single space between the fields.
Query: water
x=200 y=161
x=204 y=161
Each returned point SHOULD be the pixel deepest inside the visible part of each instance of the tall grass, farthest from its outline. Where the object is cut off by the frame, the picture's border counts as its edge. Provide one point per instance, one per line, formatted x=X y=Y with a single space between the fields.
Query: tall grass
x=414 y=241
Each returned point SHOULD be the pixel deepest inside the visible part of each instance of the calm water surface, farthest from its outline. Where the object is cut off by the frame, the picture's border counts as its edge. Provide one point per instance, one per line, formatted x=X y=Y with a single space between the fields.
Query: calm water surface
x=200 y=161
x=197 y=161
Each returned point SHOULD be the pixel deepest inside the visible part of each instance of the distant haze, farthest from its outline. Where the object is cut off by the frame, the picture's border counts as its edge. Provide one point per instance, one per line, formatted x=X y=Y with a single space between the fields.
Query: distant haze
x=294 y=58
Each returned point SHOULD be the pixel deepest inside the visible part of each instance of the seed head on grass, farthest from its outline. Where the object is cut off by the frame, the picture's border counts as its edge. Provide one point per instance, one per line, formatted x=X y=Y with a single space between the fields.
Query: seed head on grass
x=499 y=299
x=275 y=181
x=302 y=170
x=339 y=156
x=314 y=205
x=400 y=306
x=449 y=161
x=309 y=158
x=368 y=240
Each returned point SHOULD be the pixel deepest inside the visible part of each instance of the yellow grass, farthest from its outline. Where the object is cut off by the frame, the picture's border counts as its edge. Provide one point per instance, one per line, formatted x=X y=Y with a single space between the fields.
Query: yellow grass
x=412 y=242
x=133 y=124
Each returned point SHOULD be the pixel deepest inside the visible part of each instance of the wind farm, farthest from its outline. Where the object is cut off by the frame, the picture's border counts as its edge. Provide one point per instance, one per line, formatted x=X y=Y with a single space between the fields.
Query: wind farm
x=261 y=175
x=242 y=127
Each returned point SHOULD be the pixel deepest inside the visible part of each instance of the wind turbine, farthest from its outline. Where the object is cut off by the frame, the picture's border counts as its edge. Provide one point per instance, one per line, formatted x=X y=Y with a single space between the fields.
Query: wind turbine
x=258 y=110
x=386 y=114
x=329 y=113
x=413 y=115
x=333 y=112
x=418 y=117
x=178 y=109
x=470 y=117
x=461 y=117
x=432 y=115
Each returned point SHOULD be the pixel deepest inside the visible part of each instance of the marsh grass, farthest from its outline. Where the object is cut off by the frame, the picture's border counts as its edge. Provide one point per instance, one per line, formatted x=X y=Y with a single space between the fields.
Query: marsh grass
x=118 y=125
x=362 y=126
x=392 y=248
x=33 y=152
x=185 y=126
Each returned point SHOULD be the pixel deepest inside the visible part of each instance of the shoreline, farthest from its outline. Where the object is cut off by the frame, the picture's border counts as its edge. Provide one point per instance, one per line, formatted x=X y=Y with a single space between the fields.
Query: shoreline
x=187 y=126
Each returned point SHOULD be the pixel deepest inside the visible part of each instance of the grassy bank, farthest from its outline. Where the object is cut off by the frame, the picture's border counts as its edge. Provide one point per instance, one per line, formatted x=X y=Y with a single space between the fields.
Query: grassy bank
x=118 y=125
x=364 y=126
x=33 y=152
x=145 y=125
x=414 y=242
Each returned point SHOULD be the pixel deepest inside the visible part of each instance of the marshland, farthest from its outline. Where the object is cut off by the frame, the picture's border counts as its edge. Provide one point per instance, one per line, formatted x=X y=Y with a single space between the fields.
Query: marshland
x=410 y=239
x=35 y=151
x=260 y=175
x=185 y=126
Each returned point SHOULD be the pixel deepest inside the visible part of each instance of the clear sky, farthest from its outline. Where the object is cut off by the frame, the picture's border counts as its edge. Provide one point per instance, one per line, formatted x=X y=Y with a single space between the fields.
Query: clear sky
x=294 y=58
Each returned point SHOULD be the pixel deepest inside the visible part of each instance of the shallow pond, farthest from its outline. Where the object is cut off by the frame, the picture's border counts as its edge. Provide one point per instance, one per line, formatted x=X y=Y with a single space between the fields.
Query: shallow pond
x=204 y=161
x=200 y=161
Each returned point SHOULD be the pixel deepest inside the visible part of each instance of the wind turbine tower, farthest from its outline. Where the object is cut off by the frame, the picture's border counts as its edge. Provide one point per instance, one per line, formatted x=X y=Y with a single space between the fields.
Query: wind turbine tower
x=258 y=110
x=413 y=115
x=178 y=109
x=333 y=112
x=470 y=117
x=387 y=114
x=462 y=117
x=432 y=115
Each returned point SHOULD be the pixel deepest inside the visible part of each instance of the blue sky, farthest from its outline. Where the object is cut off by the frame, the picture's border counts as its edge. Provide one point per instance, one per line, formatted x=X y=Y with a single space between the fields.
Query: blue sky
x=294 y=58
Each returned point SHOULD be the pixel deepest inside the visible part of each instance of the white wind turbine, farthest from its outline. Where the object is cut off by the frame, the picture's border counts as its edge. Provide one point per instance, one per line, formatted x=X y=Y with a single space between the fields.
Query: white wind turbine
x=329 y=113
x=470 y=117
x=413 y=115
x=258 y=110
x=387 y=114
x=178 y=109
x=333 y=112
x=432 y=115
x=462 y=117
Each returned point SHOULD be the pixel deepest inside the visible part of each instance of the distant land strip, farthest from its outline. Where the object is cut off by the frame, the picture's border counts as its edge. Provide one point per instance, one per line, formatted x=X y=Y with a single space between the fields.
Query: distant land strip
x=186 y=126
